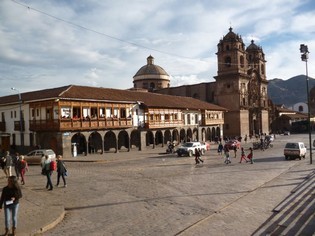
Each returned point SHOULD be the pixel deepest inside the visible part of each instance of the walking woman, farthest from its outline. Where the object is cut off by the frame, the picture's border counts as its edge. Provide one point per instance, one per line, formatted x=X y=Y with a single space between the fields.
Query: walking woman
x=23 y=167
x=10 y=200
x=61 y=171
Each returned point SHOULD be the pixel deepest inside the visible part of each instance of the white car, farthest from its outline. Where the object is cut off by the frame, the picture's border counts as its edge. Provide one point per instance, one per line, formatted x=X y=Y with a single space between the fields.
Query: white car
x=36 y=156
x=189 y=148
x=294 y=150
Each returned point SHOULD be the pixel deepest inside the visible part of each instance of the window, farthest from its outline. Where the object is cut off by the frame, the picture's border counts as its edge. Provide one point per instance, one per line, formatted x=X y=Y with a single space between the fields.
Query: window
x=123 y=113
x=2 y=117
x=228 y=61
x=301 y=109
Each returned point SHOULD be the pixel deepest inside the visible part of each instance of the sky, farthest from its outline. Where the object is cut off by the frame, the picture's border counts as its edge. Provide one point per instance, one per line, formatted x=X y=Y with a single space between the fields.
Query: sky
x=103 y=43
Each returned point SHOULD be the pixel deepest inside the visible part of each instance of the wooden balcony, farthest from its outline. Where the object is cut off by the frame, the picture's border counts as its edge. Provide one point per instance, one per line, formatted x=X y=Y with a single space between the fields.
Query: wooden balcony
x=17 y=125
x=79 y=124
x=163 y=124
x=2 y=126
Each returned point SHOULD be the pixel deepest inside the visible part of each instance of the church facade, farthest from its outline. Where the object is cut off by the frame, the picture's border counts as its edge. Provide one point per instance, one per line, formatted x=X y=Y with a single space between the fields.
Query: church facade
x=240 y=86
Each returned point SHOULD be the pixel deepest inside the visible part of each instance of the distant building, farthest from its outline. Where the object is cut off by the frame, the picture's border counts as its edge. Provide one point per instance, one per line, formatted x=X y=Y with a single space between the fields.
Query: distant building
x=241 y=86
x=80 y=120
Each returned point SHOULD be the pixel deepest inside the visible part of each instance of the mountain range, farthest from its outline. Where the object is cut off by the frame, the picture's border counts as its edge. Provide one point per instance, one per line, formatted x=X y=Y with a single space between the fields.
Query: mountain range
x=289 y=92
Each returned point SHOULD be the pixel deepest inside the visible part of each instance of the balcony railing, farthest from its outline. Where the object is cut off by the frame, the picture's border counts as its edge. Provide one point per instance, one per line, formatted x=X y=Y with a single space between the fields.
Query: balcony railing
x=79 y=124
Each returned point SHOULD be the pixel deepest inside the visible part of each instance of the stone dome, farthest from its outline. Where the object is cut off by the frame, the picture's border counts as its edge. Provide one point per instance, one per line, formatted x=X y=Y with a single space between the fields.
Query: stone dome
x=253 y=47
x=151 y=76
x=150 y=69
x=232 y=37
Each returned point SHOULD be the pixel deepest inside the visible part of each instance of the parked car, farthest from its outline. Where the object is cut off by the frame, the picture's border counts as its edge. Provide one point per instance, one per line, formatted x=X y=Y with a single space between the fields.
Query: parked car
x=294 y=150
x=233 y=143
x=286 y=133
x=189 y=149
x=36 y=156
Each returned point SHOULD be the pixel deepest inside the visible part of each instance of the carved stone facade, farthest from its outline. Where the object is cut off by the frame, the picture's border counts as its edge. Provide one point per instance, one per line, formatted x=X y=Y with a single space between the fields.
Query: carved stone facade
x=241 y=87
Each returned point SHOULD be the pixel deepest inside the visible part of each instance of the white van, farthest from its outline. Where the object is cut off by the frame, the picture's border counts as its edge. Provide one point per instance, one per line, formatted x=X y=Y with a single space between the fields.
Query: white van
x=294 y=150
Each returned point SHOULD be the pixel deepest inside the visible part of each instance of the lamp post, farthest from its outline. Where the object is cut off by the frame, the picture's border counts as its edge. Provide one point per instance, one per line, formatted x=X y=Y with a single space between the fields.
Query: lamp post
x=304 y=56
x=20 y=106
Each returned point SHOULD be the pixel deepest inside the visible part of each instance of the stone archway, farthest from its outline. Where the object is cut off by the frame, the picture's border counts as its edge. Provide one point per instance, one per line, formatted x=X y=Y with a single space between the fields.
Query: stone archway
x=213 y=134
x=123 y=140
x=80 y=142
x=182 y=135
x=158 y=138
x=95 y=143
x=149 y=138
x=175 y=136
x=135 y=139
x=195 y=135
x=189 y=135
x=110 y=142
x=167 y=136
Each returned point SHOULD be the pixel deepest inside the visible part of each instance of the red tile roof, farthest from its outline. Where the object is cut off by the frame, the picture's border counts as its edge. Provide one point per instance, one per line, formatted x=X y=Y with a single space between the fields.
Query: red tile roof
x=76 y=92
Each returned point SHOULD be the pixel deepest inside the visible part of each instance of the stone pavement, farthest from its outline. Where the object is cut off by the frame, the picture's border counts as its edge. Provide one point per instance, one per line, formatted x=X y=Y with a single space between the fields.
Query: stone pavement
x=292 y=207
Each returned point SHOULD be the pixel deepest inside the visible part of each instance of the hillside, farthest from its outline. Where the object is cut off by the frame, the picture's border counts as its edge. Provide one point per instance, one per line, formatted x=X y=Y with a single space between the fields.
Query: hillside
x=289 y=92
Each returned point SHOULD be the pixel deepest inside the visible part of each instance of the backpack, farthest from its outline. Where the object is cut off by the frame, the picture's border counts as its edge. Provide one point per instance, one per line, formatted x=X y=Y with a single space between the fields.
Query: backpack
x=53 y=165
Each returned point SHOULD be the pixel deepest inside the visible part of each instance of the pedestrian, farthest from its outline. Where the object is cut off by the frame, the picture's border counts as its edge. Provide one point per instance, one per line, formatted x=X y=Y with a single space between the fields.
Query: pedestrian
x=227 y=154
x=61 y=171
x=10 y=200
x=250 y=156
x=46 y=170
x=243 y=155
x=2 y=163
x=15 y=164
x=197 y=156
x=235 y=151
x=220 y=148
x=8 y=164
x=23 y=168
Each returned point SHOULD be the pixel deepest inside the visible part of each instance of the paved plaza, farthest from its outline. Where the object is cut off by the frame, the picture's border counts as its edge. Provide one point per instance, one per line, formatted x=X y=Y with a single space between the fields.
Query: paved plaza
x=153 y=193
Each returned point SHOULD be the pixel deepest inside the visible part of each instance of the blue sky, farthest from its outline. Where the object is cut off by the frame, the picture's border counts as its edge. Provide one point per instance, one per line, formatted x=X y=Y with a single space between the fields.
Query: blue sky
x=52 y=43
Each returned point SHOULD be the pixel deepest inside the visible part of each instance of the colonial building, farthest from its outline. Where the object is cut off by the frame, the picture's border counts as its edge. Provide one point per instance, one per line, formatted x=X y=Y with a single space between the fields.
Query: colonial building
x=80 y=120
x=240 y=86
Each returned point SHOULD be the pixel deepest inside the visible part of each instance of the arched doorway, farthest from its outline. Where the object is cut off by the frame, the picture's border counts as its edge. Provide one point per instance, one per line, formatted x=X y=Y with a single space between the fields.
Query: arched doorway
x=95 y=143
x=135 y=139
x=159 y=138
x=213 y=134
x=167 y=136
x=79 y=141
x=189 y=135
x=176 y=136
x=182 y=135
x=123 y=140
x=149 y=138
x=110 y=141
x=195 y=135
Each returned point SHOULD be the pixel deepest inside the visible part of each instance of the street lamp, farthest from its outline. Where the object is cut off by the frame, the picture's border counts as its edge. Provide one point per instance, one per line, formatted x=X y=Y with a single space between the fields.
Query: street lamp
x=304 y=56
x=20 y=105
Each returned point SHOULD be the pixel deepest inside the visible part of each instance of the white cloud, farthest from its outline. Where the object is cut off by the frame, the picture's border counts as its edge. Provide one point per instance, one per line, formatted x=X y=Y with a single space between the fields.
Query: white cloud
x=40 y=49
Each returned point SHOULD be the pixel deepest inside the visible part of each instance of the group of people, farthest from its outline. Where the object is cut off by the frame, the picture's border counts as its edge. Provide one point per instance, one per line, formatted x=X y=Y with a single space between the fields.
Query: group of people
x=11 y=193
x=226 y=150
x=49 y=166
x=17 y=162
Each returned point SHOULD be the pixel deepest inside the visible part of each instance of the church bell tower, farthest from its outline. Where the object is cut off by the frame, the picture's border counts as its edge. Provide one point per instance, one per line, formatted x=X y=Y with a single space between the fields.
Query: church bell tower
x=241 y=86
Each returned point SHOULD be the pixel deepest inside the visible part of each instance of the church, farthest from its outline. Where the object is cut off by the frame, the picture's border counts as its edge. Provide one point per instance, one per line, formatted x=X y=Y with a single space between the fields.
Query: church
x=240 y=85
